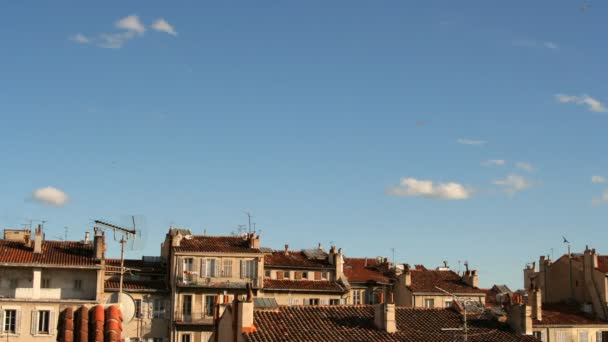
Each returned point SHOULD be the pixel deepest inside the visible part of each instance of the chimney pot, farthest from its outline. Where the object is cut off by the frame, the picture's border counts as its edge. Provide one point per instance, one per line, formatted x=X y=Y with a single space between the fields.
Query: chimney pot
x=286 y=249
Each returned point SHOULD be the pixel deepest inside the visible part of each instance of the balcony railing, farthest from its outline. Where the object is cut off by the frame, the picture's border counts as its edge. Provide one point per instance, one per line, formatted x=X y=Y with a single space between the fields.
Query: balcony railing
x=193 y=318
x=31 y=293
x=216 y=282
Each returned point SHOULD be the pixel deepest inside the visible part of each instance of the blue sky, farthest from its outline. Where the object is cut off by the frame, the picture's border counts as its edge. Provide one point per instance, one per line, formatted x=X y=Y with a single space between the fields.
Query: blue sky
x=326 y=120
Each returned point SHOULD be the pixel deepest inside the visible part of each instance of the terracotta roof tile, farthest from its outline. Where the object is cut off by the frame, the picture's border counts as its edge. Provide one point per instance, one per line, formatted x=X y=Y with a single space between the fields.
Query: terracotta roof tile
x=59 y=253
x=602 y=263
x=564 y=314
x=216 y=244
x=356 y=323
x=294 y=259
x=427 y=280
x=361 y=270
x=302 y=285
x=136 y=285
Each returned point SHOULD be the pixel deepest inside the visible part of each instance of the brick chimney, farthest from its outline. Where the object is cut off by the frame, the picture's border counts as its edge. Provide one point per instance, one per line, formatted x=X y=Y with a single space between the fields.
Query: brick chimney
x=406 y=276
x=384 y=315
x=471 y=278
x=254 y=241
x=535 y=301
x=38 y=240
x=99 y=245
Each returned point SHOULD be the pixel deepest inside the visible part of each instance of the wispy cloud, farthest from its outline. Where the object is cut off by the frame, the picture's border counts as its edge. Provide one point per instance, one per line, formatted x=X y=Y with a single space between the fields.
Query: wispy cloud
x=161 y=25
x=592 y=104
x=603 y=198
x=131 y=23
x=412 y=187
x=530 y=43
x=513 y=183
x=494 y=162
x=129 y=27
x=598 y=179
x=525 y=166
x=471 y=142
x=80 y=38
x=51 y=196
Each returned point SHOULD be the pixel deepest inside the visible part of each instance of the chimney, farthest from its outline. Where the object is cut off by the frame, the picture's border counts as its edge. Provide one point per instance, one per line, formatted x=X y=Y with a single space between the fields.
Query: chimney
x=471 y=278
x=535 y=301
x=319 y=247
x=384 y=316
x=245 y=313
x=176 y=239
x=407 y=275
x=332 y=253
x=339 y=263
x=254 y=241
x=38 y=240
x=99 y=245
x=27 y=238
x=87 y=239
x=286 y=249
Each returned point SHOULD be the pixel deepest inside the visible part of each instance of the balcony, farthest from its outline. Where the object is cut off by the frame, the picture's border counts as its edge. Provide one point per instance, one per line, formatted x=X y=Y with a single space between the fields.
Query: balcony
x=215 y=283
x=193 y=318
x=31 y=294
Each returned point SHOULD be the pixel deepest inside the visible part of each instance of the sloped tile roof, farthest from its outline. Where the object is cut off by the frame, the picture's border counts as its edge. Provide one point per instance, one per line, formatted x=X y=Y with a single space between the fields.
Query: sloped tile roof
x=294 y=259
x=135 y=285
x=302 y=285
x=215 y=244
x=602 y=263
x=58 y=253
x=363 y=270
x=356 y=323
x=428 y=280
x=564 y=314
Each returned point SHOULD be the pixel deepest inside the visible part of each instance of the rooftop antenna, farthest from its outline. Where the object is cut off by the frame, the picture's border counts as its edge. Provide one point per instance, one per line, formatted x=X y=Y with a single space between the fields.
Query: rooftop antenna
x=249 y=219
x=465 y=328
x=125 y=235
x=66 y=233
x=393 y=250
x=567 y=243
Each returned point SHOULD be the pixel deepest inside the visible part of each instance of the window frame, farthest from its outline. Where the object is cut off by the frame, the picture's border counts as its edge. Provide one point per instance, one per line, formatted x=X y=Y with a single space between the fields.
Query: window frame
x=15 y=321
x=158 y=308
x=227 y=270
x=77 y=285
x=431 y=301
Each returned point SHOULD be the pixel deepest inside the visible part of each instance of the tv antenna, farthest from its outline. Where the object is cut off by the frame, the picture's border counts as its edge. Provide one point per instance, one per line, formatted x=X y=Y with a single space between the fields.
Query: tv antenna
x=125 y=235
x=249 y=221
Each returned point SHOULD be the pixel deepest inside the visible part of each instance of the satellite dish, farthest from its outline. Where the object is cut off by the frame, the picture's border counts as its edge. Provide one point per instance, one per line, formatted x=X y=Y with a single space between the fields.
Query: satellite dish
x=127 y=305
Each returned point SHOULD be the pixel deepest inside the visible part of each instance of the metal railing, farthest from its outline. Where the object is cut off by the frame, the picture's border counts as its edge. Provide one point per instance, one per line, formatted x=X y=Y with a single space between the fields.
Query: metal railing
x=194 y=318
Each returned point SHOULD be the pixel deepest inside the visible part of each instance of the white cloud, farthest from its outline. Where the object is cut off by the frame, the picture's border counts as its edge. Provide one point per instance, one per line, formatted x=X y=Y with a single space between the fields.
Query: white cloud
x=115 y=40
x=598 y=179
x=162 y=25
x=599 y=200
x=494 y=162
x=471 y=142
x=50 y=195
x=131 y=23
x=550 y=45
x=80 y=38
x=426 y=188
x=513 y=183
x=525 y=166
x=592 y=104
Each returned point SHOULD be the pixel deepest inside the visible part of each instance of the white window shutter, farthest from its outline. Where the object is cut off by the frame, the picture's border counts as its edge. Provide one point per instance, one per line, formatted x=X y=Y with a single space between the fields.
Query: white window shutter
x=203 y=268
x=1 y=321
x=34 y=322
x=242 y=269
x=18 y=323
x=217 y=268
x=598 y=336
x=52 y=323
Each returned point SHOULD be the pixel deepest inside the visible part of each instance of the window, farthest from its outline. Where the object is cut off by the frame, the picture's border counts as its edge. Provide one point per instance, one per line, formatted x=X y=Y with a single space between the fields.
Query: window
x=227 y=268
x=334 y=302
x=14 y=283
x=138 y=313
x=267 y=274
x=188 y=262
x=157 y=339
x=304 y=275
x=286 y=275
x=187 y=305
x=540 y=335
x=158 y=308
x=447 y=304
x=248 y=269
x=313 y=301
x=356 y=297
x=429 y=303
x=297 y=275
x=42 y=321
x=209 y=268
x=583 y=336
x=46 y=283
x=601 y=336
x=9 y=324
x=324 y=275
x=77 y=284
x=209 y=305
x=186 y=338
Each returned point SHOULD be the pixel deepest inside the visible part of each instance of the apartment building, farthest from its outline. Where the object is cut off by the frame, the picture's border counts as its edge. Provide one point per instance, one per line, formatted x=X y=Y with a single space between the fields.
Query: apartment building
x=40 y=278
x=306 y=277
x=145 y=286
x=206 y=270
x=369 y=278
x=422 y=287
